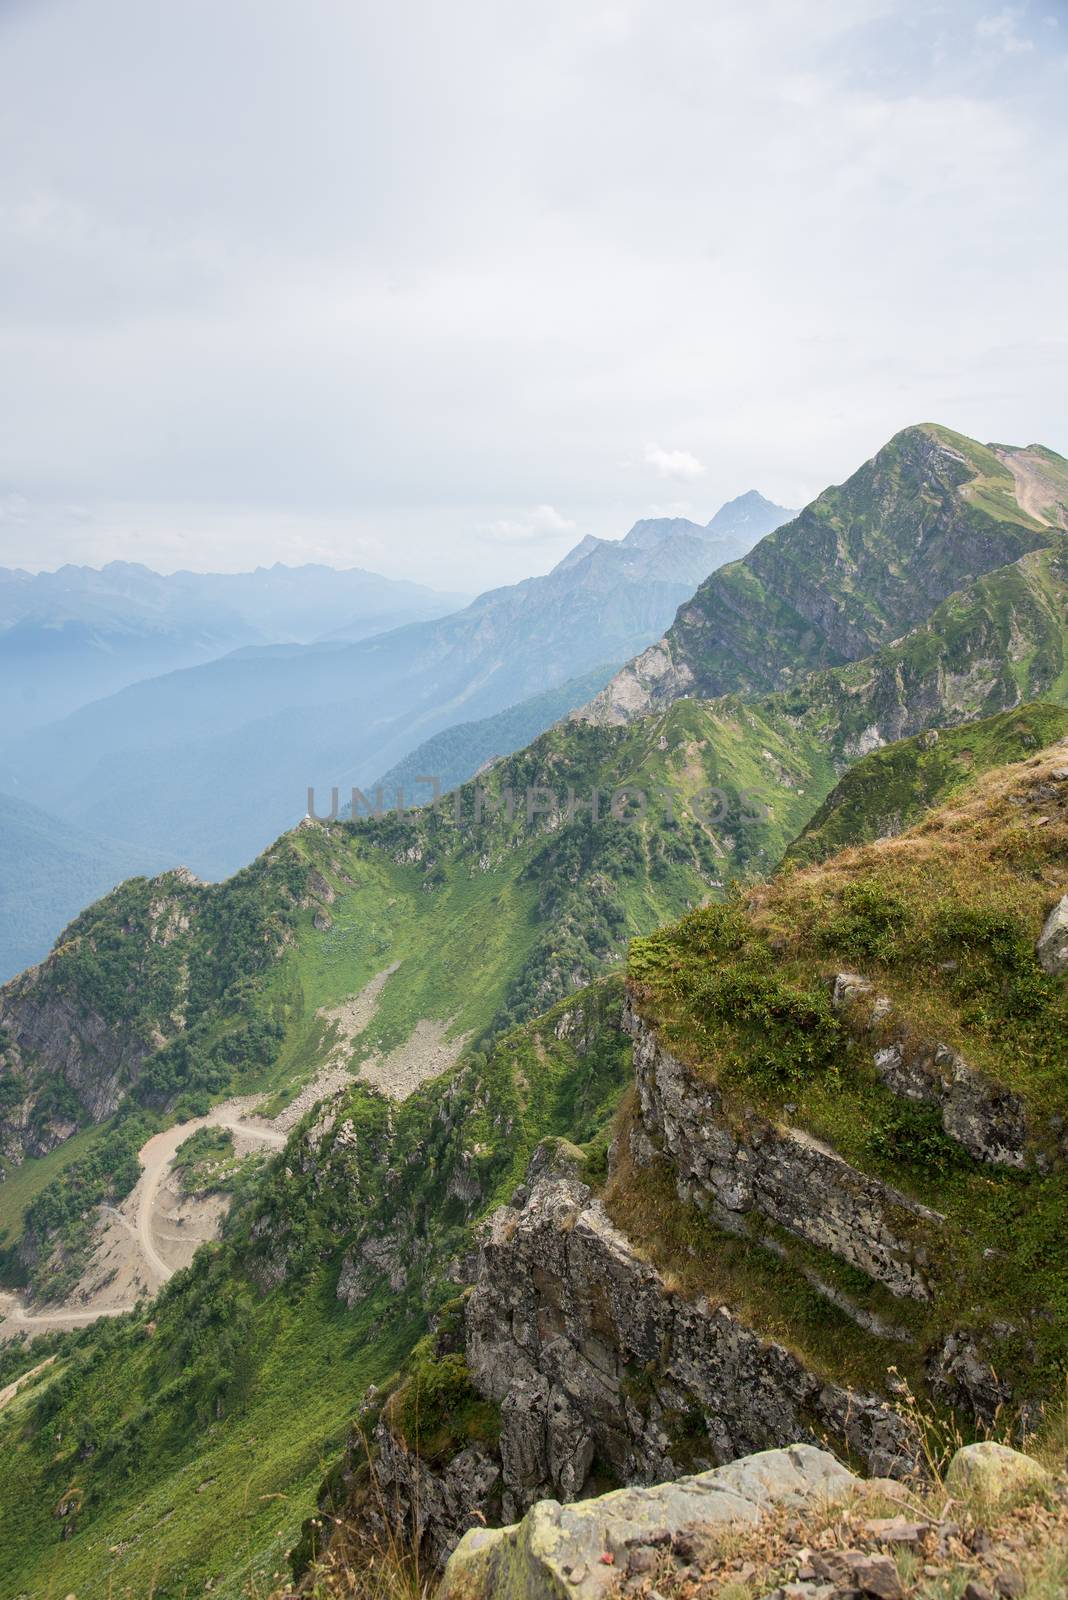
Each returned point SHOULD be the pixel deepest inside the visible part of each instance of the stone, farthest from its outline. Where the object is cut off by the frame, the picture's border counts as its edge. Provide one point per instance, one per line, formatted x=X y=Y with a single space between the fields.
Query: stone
x=588 y=1356
x=974 y=1590
x=896 y=1530
x=992 y=1472
x=541 y=1557
x=985 y=1117
x=963 y=1378
x=1052 y=947
x=876 y=1576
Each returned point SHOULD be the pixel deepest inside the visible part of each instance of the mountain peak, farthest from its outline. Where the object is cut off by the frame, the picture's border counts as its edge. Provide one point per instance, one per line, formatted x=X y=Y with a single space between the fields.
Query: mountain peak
x=588 y=543
x=750 y=512
x=862 y=564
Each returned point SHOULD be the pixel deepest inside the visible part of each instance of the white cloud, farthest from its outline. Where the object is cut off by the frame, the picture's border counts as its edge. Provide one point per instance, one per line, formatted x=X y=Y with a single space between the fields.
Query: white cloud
x=674 y=463
x=223 y=334
x=538 y=526
x=1002 y=29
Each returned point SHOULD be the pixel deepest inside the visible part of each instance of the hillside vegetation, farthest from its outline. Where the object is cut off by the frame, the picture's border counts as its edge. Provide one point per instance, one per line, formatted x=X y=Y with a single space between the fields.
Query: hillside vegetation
x=848 y=1077
x=184 y=1445
x=928 y=515
x=941 y=923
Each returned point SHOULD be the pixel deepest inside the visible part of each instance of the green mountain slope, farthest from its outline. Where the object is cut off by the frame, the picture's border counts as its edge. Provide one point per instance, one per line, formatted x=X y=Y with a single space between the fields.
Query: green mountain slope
x=214 y=762
x=169 y=988
x=796 y=1185
x=187 y=1449
x=167 y=1450
x=458 y=753
x=474 y=917
x=889 y=790
x=862 y=564
x=941 y=925
x=490 y=919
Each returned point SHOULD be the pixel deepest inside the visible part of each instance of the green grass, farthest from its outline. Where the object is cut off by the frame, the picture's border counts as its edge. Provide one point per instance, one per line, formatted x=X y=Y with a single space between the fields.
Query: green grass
x=194 y=1437
x=222 y=1500
x=24 y=1183
x=889 y=790
x=944 y=922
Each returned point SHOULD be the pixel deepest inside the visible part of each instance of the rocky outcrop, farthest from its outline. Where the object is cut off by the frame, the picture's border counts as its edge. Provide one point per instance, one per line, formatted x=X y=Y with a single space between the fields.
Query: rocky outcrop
x=654 y=678
x=58 y=1062
x=598 y=1366
x=583 y=1550
x=1052 y=949
x=986 y=1118
x=733 y=1167
x=435 y=1505
x=599 y=1373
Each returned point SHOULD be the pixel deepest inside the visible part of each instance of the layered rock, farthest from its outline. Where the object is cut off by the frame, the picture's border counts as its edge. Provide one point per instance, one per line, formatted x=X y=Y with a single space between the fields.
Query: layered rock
x=598 y=1366
x=731 y=1168
x=986 y=1118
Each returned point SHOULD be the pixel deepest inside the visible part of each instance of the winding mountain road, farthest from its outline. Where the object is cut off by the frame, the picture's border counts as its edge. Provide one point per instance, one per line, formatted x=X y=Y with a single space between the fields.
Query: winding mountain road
x=157 y=1158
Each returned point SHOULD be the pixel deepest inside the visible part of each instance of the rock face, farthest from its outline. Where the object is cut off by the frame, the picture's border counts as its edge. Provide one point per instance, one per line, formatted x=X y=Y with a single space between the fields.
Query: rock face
x=583 y=1550
x=1052 y=947
x=93 y=1060
x=985 y=1117
x=595 y=1363
x=436 y=1507
x=781 y=1173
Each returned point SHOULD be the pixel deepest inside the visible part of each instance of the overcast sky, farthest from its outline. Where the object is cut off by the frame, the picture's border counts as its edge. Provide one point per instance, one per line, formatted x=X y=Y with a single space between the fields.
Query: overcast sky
x=437 y=288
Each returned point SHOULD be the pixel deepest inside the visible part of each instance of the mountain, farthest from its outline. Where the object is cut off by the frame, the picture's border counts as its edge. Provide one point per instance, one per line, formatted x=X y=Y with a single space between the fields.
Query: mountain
x=574 y=1241
x=49 y=872
x=213 y=762
x=615 y=1242
x=856 y=569
x=747 y=517
x=81 y=633
x=847 y=1104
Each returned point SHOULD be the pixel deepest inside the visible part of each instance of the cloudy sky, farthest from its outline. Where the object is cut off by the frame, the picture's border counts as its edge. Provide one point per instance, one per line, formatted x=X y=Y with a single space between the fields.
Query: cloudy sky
x=438 y=288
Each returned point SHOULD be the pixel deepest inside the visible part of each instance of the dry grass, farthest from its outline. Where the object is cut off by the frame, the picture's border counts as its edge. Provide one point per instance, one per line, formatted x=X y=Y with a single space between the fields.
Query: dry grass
x=949 y=1544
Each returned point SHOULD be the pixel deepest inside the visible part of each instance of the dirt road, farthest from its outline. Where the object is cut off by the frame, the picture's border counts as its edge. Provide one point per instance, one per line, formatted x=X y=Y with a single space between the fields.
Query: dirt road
x=138 y=1219
x=157 y=1157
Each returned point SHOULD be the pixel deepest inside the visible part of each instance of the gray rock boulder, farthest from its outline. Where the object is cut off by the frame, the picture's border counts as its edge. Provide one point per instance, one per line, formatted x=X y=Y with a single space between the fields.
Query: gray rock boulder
x=582 y=1550
x=1052 y=948
x=992 y=1473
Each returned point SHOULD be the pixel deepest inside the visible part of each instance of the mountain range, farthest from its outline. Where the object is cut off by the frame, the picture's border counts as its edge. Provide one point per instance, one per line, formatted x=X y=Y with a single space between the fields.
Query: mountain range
x=80 y=633
x=210 y=763
x=563 y=1234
